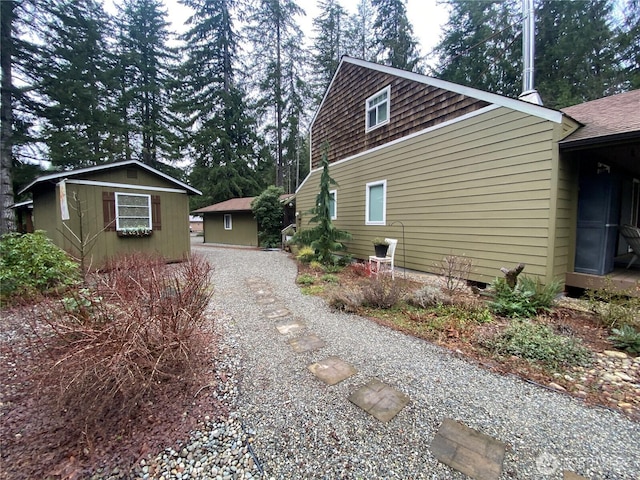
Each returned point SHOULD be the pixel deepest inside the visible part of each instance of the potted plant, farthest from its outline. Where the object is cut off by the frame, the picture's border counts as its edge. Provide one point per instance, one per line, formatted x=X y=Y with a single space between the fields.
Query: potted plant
x=135 y=232
x=381 y=246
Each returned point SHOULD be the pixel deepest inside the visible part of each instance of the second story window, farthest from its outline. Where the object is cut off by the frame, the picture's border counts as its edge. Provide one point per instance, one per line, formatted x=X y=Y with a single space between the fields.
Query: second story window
x=378 y=108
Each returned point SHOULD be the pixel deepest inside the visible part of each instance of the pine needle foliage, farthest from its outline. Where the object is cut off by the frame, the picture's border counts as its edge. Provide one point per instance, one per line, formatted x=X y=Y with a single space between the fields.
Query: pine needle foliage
x=324 y=238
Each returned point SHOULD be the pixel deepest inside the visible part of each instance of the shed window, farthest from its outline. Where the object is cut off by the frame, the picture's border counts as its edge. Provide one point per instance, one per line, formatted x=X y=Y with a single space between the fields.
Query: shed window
x=378 y=108
x=133 y=210
x=376 y=203
x=227 y=222
x=333 y=204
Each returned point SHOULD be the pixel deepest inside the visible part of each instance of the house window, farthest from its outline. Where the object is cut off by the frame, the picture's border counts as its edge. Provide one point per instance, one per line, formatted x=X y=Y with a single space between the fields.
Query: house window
x=227 y=221
x=333 y=204
x=133 y=210
x=378 y=108
x=376 y=204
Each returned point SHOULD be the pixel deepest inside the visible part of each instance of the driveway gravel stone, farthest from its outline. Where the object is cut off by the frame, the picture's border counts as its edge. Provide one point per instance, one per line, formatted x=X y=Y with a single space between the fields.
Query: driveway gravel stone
x=299 y=428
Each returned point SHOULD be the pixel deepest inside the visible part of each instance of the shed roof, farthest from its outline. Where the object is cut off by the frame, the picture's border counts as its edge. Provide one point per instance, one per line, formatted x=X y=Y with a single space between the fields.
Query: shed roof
x=607 y=118
x=242 y=204
x=108 y=166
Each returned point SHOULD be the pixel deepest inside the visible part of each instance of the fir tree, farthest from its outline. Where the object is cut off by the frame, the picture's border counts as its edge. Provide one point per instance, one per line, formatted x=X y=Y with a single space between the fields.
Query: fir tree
x=324 y=238
x=145 y=60
x=76 y=74
x=218 y=132
x=359 y=38
x=277 y=72
x=397 y=46
x=329 y=44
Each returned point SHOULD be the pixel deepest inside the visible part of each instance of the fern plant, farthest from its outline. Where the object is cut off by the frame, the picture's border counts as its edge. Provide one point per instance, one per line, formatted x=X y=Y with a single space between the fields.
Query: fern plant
x=626 y=338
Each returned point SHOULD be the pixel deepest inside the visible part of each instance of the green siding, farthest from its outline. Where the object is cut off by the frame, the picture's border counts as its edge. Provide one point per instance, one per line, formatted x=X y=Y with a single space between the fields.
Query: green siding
x=481 y=187
x=244 y=229
x=171 y=241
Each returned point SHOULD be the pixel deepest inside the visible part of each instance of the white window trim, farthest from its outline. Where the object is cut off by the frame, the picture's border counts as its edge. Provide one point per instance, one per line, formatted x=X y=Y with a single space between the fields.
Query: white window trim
x=368 y=127
x=335 y=204
x=384 y=203
x=119 y=194
x=224 y=221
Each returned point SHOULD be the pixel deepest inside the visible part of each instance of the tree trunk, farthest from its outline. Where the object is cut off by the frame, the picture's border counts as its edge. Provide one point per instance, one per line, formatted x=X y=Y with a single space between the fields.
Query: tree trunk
x=7 y=215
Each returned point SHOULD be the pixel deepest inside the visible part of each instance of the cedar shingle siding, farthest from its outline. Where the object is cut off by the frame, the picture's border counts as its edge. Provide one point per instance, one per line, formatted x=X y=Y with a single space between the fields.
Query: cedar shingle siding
x=341 y=121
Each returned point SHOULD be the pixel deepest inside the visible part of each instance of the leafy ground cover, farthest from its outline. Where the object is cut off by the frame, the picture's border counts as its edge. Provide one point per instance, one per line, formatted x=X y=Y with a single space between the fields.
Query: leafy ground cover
x=566 y=347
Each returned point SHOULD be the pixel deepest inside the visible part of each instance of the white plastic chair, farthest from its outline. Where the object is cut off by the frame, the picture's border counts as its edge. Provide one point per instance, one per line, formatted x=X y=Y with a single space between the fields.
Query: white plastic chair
x=376 y=264
x=632 y=235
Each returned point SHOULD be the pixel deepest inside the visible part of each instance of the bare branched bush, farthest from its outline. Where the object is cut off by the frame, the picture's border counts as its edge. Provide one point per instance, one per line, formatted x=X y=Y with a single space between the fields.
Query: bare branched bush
x=383 y=292
x=347 y=299
x=429 y=296
x=107 y=349
x=455 y=271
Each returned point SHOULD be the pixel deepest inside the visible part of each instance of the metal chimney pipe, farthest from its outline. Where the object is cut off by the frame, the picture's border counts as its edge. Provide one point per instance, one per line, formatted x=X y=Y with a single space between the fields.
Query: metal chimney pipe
x=528 y=44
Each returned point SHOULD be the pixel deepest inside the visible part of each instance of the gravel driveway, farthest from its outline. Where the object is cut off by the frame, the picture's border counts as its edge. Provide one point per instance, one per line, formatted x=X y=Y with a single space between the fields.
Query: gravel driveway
x=303 y=428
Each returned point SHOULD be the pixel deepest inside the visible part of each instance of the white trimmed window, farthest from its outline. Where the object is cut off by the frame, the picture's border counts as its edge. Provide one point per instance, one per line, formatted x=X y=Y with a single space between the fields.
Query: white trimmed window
x=376 y=203
x=378 y=107
x=227 y=221
x=333 y=204
x=133 y=210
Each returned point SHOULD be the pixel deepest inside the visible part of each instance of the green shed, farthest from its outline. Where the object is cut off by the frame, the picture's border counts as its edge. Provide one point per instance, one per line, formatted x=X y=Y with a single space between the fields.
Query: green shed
x=97 y=212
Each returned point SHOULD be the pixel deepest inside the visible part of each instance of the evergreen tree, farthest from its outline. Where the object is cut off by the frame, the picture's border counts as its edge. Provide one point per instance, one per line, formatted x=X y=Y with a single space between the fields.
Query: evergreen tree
x=360 y=41
x=575 y=52
x=629 y=37
x=481 y=46
x=396 y=43
x=324 y=238
x=76 y=74
x=218 y=134
x=277 y=73
x=144 y=63
x=268 y=211
x=329 y=44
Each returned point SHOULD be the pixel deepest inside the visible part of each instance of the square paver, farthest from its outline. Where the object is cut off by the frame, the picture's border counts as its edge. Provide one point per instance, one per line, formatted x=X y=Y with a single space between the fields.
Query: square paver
x=289 y=326
x=266 y=300
x=306 y=344
x=569 y=475
x=332 y=370
x=473 y=453
x=379 y=400
x=277 y=313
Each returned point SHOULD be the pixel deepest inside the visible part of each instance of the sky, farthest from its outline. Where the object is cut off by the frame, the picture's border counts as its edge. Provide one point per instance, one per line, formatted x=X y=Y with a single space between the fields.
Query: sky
x=426 y=16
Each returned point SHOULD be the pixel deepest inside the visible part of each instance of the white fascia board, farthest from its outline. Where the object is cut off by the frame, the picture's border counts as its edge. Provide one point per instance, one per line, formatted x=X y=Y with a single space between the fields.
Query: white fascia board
x=109 y=166
x=125 y=185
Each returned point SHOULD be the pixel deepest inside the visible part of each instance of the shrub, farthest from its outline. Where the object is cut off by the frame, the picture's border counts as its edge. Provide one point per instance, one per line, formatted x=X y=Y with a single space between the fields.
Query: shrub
x=455 y=272
x=332 y=268
x=360 y=269
x=112 y=347
x=613 y=307
x=348 y=299
x=626 y=338
x=306 y=255
x=315 y=265
x=330 y=278
x=268 y=211
x=537 y=342
x=306 y=279
x=525 y=300
x=31 y=263
x=429 y=296
x=382 y=292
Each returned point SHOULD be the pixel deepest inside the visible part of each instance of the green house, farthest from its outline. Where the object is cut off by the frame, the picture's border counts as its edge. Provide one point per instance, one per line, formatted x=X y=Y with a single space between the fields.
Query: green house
x=232 y=222
x=98 y=212
x=452 y=170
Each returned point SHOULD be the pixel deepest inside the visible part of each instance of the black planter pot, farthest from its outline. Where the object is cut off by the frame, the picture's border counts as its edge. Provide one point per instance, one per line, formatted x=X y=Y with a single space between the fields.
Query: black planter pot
x=381 y=250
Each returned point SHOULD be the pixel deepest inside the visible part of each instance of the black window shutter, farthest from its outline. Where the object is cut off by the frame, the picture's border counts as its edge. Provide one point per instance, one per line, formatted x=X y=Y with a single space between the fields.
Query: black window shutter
x=109 y=210
x=156 y=218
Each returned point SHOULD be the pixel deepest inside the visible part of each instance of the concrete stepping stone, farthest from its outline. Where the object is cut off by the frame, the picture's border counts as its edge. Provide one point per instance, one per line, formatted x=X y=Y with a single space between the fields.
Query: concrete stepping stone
x=277 y=313
x=289 y=326
x=332 y=370
x=308 y=343
x=263 y=292
x=266 y=300
x=473 y=453
x=568 y=475
x=379 y=400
